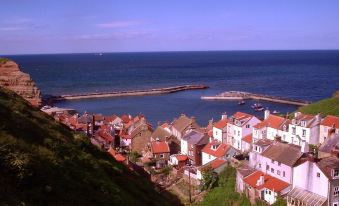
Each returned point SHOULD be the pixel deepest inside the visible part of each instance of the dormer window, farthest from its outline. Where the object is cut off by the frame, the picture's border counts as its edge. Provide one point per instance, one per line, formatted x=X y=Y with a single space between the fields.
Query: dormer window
x=215 y=146
x=336 y=173
x=303 y=123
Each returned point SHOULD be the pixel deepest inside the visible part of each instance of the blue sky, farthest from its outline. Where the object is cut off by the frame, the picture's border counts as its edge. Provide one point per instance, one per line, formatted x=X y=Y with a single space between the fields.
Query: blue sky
x=72 y=26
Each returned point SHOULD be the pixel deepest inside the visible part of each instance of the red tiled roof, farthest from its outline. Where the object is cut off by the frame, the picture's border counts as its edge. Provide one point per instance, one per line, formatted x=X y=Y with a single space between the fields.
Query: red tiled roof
x=181 y=158
x=271 y=183
x=98 y=117
x=248 y=138
x=210 y=133
x=221 y=124
x=220 y=150
x=105 y=136
x=125 y=118
x=272 y=121
x=118 y=157
x=159 y=147
x=217 y=163
x=241 y=115
x=331 y=120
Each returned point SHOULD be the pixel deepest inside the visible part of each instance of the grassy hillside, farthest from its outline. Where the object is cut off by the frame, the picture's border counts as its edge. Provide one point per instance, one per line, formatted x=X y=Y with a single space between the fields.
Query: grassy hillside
x=43 y=163
x=325 y=107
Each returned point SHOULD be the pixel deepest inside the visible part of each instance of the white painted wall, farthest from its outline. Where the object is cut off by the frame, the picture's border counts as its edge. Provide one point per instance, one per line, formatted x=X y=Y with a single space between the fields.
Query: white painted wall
x=306 y=176
x=184 y=147
x=217 y=134
x=206 y=158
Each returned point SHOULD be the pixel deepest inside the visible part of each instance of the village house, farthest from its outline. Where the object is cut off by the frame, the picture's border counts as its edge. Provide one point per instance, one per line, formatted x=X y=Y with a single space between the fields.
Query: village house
x=315 y=182
x=304 y=130
x=216 y=149
x=182 y=124
x=217 y=166
x=161 y=152
x=140 y=136
x=242 y=171
x=163 y=134
x=247 y=142
x=260 y=185
x=272 y=127
x=239 y=126
x=219 y=129
x=330 y=147
x=191 y=145
x=328 y=126
x=178 y=160
x=277 y=160
x=113 y=120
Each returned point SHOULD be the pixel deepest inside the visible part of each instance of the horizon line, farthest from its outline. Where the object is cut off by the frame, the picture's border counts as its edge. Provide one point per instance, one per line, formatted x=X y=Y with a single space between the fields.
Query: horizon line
x=168 y=51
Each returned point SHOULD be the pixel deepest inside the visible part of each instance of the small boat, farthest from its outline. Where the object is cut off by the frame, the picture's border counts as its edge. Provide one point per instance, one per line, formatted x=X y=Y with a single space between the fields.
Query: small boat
x=257 y=107
x=276 y=112
x=242 y=102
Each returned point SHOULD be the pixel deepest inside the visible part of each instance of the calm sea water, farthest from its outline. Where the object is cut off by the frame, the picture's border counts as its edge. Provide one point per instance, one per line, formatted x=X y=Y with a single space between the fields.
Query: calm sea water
x=308 y=75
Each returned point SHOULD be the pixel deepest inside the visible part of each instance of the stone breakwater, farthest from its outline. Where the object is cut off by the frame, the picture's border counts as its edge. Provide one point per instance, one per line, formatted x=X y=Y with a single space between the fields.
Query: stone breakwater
x=238 y=95
x=157 y=91
x=11 y=77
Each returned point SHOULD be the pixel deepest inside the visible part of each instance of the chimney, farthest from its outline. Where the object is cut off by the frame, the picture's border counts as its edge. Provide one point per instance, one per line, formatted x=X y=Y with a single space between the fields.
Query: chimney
x=297 y=114
x=261 y=180
x=224 y=115
x=267 y=113
x=318 y=118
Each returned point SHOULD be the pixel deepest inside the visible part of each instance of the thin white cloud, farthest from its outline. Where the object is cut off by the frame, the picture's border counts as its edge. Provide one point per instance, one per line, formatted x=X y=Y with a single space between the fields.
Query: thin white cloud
x=11 y=28
x=118 y=24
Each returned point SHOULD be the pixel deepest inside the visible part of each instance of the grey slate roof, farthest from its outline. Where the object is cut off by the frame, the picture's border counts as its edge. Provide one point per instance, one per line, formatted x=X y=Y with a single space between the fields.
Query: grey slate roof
x=196 y=138
x=287 y=154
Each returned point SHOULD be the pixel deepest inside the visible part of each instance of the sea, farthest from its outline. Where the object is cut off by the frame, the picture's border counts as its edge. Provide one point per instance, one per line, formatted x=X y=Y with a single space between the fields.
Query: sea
x=304 y=75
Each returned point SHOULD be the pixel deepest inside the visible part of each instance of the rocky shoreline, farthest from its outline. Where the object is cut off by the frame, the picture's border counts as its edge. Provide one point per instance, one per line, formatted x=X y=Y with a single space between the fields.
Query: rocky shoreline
x=11 y=77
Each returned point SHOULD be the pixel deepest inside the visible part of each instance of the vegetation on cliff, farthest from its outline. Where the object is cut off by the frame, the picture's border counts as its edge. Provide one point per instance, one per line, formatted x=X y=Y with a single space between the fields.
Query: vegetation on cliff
x=328 y=106
x=3 y=60
x=43 y=163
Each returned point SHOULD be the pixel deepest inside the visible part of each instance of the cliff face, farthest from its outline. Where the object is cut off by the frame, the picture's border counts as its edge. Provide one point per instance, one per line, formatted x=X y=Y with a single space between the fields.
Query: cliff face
x=21 y=83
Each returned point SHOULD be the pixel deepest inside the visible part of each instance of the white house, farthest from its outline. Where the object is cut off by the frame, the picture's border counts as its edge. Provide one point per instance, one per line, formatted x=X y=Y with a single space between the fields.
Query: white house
x=219 y=130
x=272 y=127
x=304 y=130
x=239 y=126
x=259 y=185
x=277 y=160
x=315 y=182
x=216 y=149
x=328 y=126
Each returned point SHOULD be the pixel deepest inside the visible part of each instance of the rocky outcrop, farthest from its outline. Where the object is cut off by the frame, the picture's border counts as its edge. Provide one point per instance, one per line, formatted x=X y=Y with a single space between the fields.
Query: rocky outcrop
x=12 y=78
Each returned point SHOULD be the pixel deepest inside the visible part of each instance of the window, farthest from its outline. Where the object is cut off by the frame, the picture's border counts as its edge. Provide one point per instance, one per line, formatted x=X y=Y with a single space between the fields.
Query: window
x=235 y=132
x=259 y=165
x=336 y=191
x=336 y=204
x=272 y=170
x=161 y=155
x=293 y=130
x=269 y=192
x=278 y=172
x=283 y=173
x=209 y=156
x=336 y=173
x=304 y=133
x=247 y=126
x=267 y=167
x=238 y=133
x=318 y=174
x=272 y=161
x=279 y=163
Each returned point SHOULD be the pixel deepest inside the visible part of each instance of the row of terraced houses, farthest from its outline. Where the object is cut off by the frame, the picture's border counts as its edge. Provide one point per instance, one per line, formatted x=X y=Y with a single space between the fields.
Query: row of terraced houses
x=294 y=158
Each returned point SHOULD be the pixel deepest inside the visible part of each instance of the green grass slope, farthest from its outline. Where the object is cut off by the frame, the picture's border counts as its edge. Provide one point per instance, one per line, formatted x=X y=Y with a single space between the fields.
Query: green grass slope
x=325 y=107
x=43 y=163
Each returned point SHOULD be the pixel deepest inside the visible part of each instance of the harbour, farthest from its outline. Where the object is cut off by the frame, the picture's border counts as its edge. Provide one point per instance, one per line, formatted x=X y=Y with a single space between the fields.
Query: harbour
x=240 y=95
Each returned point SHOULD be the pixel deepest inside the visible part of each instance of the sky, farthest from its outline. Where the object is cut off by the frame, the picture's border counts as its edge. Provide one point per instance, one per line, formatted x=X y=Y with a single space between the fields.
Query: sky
x=81 y=26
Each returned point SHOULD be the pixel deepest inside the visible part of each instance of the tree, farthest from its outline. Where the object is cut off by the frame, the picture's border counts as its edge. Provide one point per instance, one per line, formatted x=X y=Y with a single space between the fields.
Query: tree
x=209 y=178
